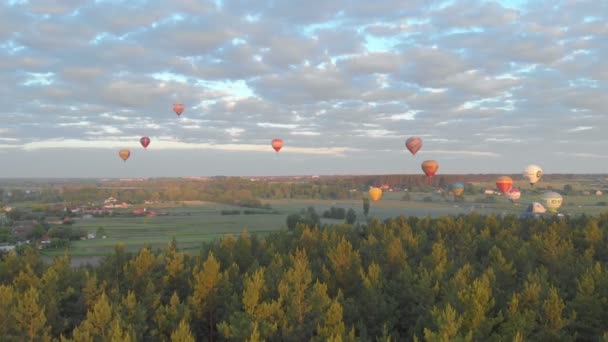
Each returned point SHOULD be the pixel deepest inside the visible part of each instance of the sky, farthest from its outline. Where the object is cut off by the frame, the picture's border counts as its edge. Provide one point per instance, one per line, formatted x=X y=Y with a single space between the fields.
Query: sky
x=489 y=86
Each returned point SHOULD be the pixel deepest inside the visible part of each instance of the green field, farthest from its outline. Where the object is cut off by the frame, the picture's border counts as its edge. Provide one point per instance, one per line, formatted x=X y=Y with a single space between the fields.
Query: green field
x=196 y=222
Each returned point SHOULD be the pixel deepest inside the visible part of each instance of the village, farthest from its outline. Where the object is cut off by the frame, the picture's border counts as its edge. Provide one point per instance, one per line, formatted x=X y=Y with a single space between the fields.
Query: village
x=42 y=229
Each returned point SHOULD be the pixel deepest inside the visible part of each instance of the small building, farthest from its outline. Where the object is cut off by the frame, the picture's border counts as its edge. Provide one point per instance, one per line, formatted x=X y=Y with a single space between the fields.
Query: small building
x=5 y=247
x=488 y=192
x=91 y=236
x=23 y=229
x=599 y=193
x=139 y=211
x=54 y=220
x=110 y=202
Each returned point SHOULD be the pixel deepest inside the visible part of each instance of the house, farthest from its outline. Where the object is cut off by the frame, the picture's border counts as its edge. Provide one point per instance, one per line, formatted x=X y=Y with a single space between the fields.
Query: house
x=5 y=247
x=139 y=211
x=54 y=220
x=23 y=229
x=122 y=205
x=110 y=202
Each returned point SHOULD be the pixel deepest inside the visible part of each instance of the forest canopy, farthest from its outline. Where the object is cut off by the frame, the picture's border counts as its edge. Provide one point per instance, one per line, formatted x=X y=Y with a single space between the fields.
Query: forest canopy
x=471 y=277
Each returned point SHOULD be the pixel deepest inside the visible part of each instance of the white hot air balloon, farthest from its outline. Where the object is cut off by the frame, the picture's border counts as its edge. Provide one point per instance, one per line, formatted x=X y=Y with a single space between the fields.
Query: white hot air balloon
x=533 y=173
x=552 y=200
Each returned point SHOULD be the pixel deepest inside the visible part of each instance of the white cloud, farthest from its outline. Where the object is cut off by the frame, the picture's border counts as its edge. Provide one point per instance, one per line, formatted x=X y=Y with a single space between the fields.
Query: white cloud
x=169 y=143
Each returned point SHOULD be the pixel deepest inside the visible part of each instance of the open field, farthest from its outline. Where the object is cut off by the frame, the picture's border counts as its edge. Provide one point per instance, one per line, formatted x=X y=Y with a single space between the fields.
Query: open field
x=192 y=223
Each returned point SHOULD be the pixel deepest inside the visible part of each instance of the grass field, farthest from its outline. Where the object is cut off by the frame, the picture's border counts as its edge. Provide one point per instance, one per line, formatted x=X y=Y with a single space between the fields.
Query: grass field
x=195 y=222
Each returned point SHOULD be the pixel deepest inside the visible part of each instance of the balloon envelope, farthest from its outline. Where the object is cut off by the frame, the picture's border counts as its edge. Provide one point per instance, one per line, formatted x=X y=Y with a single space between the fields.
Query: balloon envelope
x=514 y=195
x=124 y=154
x=375 y=193
x=145 y=141
x=457 y=188
x=533 y=173
x=178 y=108
x=277 y=144
x=504 y=184
x=430 y=167
x=552 y=200
x=413 y=144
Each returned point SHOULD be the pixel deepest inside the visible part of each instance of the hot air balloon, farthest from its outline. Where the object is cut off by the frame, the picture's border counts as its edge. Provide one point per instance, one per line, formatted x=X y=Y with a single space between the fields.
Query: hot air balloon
x=430 y=167
x=504 y=184
x=457 y=188
x=124 y=154
x=533 y=173
x=375 y=193
x=552 y=200
x=514 y=195
x=145 y=141
x=413 y=144
x=277 y=144
x=178 y=108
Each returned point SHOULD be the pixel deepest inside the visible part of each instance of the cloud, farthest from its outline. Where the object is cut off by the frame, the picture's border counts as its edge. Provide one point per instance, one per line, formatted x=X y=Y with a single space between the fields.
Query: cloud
x=348 y=78
x=465 y=153
x=170 y=144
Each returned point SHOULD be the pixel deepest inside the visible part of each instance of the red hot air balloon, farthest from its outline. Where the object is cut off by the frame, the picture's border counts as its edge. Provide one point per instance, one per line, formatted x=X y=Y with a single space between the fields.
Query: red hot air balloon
x=504 y=184
x=413 y=144
x=430 y=167
x=277 y=144
x=145 y=141
x=178 y=108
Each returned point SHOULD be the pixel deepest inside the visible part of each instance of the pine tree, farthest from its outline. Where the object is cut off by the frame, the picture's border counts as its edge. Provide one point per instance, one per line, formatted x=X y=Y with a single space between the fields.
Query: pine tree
x=448 y=325
x=182 y=333
x=7 y=307
x=29 y=315
x=204 y=299
x=293 y=296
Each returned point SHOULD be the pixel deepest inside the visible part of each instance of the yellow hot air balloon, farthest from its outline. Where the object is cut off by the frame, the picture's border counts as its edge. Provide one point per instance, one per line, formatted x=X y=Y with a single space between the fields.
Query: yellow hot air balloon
x=124 y=154
x=375 y=193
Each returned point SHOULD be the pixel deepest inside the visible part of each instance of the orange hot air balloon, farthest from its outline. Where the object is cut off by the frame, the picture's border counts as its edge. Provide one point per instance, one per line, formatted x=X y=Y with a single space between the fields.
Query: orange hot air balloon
x=178 y=108
x=145 y=141
x=375 y=193
x=504 y=184
x=413 y=144
x=124 y=154
x=277 y=144
x=430 y=167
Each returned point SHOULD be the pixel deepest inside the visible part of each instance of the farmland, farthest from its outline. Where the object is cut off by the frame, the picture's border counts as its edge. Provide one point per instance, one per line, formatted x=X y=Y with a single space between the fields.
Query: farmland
x=192 y=223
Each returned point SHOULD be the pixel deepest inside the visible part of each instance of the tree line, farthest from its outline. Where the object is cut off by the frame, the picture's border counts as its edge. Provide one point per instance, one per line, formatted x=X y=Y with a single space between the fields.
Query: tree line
x=464 y=278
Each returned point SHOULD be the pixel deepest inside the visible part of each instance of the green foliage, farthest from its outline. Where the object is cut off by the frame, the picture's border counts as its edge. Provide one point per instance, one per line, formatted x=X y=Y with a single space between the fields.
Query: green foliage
x=365 y=206
x=351 y=216
x=335 y=213
x=308 y=217
x=230 y=212
x=465 y=278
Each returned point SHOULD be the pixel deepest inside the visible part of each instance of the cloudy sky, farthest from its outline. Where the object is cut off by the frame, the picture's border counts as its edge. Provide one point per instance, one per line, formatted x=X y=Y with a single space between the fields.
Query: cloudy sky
x=490 y=86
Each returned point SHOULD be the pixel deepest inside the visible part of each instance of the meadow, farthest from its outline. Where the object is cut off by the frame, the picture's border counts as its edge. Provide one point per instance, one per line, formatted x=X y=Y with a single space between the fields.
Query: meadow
x=192 y=223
